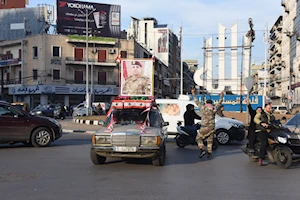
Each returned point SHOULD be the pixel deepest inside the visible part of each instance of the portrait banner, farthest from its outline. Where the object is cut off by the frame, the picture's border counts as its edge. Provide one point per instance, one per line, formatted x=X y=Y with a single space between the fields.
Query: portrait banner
x=136 y=78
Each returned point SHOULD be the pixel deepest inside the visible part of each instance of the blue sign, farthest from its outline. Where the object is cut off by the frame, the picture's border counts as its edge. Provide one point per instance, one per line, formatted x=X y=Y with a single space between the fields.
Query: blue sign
x=233 y=102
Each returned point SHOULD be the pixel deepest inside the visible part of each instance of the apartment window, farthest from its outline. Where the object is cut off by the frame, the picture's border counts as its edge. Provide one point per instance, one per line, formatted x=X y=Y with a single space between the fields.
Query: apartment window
x=20 y=54
x=56 y=51
x=20 y=76
x=101 y=55
x=35 y=52
x=56 y=74
x=101 y=77
x=9 y=55
x=35 y=74
x=7 y=76
x=78 y=54
x=123 y=54
x=78 y=77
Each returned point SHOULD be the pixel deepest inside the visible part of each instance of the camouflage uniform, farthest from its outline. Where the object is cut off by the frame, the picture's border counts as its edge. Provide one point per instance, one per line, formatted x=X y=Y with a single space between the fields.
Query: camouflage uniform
x=137 y=85
x=207 y=125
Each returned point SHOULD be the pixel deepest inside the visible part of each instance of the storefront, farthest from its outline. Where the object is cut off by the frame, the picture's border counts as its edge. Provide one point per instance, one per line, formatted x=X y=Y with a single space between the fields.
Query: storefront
x=67 y=95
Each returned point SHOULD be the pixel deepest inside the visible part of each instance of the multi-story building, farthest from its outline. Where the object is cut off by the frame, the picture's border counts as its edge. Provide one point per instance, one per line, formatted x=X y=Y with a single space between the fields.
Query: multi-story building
x=259 y=74
x=164 y=44
x=289 y=43
x=188 y=80
x=47 y=68
x=275 y=62
x=192 y=64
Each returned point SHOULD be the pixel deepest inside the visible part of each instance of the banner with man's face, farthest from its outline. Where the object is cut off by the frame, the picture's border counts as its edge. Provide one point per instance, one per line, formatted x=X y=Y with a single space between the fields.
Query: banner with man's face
x=136 y=78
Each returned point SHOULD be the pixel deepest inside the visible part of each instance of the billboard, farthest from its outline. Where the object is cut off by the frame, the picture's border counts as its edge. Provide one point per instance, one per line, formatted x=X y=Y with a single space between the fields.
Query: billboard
x=103 y=19
x=162 y=41
x=136 y=78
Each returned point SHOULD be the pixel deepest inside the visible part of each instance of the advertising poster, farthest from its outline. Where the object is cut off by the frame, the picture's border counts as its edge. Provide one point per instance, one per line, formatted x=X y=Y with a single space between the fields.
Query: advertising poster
x=103 y=19
x=136 y=78
x=162 y=41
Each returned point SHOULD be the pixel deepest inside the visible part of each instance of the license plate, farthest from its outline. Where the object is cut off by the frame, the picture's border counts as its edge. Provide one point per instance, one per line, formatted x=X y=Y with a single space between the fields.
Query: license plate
x=125 y=149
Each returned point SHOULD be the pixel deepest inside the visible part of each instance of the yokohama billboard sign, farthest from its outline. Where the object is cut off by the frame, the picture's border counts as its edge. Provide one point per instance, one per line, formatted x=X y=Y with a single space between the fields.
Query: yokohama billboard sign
x=103 y=20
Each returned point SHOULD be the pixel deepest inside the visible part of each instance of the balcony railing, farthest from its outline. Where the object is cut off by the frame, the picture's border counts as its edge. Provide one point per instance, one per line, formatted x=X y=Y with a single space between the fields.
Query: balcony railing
x=11 y=82
x=95 y=82
x=94 y=61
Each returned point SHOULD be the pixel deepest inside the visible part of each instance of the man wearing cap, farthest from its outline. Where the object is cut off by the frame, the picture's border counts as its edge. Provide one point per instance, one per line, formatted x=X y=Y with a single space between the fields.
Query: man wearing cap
x=136 y=83
x=208 y=112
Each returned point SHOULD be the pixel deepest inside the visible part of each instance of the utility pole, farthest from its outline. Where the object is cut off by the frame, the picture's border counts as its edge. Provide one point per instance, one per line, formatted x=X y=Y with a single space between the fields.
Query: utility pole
x=265 y=71
x=204 y=73
x=181 y=64
x=241 y=86
x=251 y=38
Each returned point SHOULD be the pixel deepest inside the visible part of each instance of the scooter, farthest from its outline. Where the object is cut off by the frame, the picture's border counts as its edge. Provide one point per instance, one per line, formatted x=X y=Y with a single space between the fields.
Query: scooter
x=186 y=136
x=282 y=143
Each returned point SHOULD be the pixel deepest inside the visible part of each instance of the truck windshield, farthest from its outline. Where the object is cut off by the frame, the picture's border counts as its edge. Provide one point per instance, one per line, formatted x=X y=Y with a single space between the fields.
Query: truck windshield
x=132 y=116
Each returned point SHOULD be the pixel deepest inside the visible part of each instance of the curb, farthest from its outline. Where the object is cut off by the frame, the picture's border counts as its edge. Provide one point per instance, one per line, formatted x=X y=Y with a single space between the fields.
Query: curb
x=66 y=131
x=88 y=122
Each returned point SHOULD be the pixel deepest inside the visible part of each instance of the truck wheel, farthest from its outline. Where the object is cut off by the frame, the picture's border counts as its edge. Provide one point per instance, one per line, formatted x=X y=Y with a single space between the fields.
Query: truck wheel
x=96 y=159
x=159 y=160
x=41 y=137
x=283 y=157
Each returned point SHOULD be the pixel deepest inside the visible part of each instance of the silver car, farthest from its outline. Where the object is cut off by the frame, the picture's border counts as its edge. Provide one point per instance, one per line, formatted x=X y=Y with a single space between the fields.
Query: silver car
x=129 y=138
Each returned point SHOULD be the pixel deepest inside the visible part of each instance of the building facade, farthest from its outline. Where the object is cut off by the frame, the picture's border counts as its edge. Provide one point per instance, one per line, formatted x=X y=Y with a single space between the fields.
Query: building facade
x=7 y=4
x=276 y=66
x=164 y=44
x=46 y=68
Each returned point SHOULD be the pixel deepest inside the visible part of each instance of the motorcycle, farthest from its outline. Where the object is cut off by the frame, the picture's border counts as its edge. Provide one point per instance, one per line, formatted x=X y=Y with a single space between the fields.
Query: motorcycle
x=281 y=146
x=185 y=136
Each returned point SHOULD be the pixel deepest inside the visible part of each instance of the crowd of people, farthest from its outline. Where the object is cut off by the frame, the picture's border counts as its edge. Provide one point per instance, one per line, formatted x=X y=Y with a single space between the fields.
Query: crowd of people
x=259 y=123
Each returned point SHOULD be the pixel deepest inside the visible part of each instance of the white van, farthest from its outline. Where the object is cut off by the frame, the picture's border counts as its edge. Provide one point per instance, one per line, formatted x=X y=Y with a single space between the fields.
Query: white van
x=279 y=109
x=172 y=110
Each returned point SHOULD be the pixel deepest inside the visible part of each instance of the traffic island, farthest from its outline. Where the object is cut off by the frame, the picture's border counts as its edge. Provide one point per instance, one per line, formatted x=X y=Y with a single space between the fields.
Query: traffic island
x=90 y=120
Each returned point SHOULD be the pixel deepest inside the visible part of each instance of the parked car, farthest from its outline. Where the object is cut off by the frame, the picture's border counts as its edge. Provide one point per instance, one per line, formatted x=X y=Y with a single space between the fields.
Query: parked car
x=17 y=125
x=278 y=109
x=79 y=112
x=293 y=124
x=44 y=110
x=226 y=129
x=127 y=135
x=21 y=105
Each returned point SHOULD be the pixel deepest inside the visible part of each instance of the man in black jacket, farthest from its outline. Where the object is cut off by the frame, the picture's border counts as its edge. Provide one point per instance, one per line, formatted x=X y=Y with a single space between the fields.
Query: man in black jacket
x=262 y=121
x=251 y=130
x=190 y=115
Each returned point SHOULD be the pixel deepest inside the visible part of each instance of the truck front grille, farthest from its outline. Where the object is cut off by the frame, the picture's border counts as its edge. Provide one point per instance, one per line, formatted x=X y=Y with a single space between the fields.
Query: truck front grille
x=125 y=140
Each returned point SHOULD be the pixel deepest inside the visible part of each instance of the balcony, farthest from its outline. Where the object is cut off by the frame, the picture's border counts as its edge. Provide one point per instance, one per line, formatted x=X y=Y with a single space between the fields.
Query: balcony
x=283 y=3
x=10 y=62
x=97 y=62
x=12 y=82
x=91 y=40
x=95 y=82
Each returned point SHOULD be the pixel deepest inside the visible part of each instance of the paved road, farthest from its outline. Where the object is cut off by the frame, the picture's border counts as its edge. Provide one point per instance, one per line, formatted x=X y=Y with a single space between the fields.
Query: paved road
x=64 y=171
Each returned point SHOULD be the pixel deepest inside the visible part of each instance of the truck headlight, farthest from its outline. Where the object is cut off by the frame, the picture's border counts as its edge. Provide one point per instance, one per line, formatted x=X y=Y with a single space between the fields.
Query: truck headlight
x=150 y=140
x=102 y=140
x=282 y=140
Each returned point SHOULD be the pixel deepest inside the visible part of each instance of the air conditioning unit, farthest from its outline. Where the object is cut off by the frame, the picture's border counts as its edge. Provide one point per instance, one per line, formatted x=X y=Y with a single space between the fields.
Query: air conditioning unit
x=112 y=51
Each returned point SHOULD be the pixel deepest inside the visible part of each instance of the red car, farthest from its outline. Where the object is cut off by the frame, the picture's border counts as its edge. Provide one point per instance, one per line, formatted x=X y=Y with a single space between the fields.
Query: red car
x=17 y=125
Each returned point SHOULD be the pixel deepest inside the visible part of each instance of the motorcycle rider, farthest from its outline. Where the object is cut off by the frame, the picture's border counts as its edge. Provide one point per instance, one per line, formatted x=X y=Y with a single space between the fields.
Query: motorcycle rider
x=251 y=130
x=208 y=112
x=262 y=121
x=189 y=118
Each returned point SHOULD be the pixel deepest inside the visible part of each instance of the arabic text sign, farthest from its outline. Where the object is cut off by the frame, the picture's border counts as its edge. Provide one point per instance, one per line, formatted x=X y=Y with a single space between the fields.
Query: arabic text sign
x=97 y=90
x=137 y=78
x=232 y=102
x=33 y=89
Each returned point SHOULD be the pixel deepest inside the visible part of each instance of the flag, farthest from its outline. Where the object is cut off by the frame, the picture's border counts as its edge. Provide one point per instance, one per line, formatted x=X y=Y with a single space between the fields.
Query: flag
x=153 y=57
x=110 y=126
x=118 y=58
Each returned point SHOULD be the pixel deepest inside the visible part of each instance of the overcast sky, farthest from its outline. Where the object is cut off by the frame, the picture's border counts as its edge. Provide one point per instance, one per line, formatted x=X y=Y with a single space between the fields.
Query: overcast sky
x=200 y=19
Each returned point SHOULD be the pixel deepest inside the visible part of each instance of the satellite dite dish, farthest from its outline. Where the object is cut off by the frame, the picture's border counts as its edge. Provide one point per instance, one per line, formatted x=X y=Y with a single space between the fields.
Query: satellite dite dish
x=199 y=76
